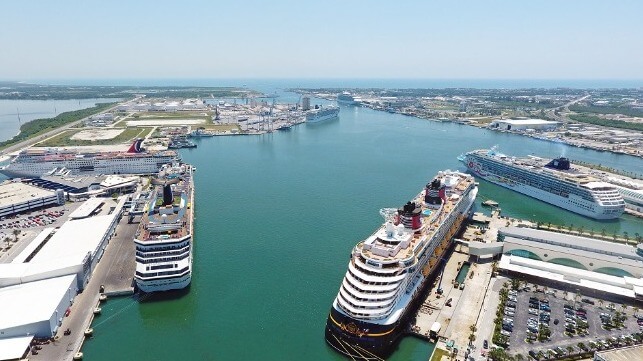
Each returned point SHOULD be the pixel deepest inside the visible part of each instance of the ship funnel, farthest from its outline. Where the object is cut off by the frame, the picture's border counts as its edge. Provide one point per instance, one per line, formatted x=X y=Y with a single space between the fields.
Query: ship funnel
x=410 y=215
x=168 y=197
x=434 y=193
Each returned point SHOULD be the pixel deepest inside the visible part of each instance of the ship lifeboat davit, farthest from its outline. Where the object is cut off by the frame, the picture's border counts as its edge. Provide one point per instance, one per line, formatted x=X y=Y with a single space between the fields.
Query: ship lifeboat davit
x=78 y=356
x=89 y=332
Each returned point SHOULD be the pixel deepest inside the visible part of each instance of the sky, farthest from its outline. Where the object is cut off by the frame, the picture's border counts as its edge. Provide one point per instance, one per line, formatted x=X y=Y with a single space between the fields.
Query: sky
x=494 y=39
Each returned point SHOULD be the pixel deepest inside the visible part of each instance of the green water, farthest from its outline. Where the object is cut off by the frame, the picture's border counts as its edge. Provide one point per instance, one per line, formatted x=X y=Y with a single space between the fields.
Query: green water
x=277 y=217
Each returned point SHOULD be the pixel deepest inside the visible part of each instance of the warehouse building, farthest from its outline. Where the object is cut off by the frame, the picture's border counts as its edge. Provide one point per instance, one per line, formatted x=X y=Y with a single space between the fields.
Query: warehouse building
x=523 y=124
x=16 y=197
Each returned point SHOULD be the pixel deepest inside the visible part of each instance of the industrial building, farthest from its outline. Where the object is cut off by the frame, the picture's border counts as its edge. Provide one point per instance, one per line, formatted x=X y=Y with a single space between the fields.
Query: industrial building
x=33 y=309
x=523 y=124
x=38 y=286
x=16 y=197
x=611 y=269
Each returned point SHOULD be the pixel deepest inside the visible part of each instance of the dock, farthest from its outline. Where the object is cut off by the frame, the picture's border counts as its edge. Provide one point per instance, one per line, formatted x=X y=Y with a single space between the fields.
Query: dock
x=461 y=306
x=115 y=273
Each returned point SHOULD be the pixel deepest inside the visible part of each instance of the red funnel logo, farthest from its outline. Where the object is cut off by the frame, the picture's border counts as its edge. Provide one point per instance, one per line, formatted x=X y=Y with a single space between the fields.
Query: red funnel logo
x=136 y=146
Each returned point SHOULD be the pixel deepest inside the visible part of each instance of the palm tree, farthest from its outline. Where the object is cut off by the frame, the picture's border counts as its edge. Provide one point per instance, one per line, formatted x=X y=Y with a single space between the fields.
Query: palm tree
x=591 y=232
x=637 y=236
x=473 y=327
x=581 y=346
x=16 y=233
x=603 y=232
x=571 y=227
x=7 y=240
x=626 y=236
x=636 y=310
x=580 y=230
x=600 y=303
x=570 y=348
x=519 y=357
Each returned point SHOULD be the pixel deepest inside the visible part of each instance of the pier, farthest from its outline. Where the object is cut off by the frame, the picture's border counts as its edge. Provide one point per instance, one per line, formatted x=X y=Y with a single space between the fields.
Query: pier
x=463 y=299
x=114 y=274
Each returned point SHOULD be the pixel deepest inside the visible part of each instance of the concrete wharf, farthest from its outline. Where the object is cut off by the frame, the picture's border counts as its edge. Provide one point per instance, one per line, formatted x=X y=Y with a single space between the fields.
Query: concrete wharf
x=115 y=271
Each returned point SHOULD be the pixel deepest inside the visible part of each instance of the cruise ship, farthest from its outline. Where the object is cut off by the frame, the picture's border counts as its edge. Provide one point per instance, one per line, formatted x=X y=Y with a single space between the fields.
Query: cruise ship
x=34 y=162
x=347 y=99
x=553 y=181
x=321 y=114
x=164 y=237
x=389 y=270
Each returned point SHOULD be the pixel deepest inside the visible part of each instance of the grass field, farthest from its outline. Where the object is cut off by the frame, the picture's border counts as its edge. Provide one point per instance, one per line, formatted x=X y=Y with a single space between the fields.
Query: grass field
x=438 y=353
x=63 y=139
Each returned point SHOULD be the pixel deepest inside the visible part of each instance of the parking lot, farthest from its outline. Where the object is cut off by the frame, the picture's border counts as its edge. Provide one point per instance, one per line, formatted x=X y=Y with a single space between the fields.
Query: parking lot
x=534 y=312
x=27 y=225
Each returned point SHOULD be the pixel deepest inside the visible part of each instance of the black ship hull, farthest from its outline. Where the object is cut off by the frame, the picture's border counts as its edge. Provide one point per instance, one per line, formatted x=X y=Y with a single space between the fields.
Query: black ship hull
x=353 y=338
x=360 y=340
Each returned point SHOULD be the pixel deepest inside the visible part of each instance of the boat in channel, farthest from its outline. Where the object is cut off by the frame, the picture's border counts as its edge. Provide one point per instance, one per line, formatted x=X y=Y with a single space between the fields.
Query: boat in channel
x=390 y=270
x=164 y=237
x=322 y=113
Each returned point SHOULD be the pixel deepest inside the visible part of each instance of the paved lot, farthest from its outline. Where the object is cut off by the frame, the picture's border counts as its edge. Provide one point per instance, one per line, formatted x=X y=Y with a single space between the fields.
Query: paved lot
x=557 y=299
x=28 y=234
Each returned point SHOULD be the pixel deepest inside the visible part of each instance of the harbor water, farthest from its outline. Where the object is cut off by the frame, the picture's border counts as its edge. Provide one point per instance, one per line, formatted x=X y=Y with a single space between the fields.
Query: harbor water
x=276 y=218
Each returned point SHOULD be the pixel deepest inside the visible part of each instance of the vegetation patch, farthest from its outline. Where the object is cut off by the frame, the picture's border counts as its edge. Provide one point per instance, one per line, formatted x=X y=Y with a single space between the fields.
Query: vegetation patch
x=37 y=127
x=438 y=353
x=64 y=139
x=592 y=119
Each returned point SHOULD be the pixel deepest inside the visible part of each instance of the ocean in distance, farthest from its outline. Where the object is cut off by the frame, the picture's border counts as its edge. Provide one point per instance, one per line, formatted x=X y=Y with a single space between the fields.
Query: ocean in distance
x=263 y=84
x=276 y=218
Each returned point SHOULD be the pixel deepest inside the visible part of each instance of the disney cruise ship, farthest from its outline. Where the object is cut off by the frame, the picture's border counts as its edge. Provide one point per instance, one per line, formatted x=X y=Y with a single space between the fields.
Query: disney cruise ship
x=34 y=162
x=390 y=269
x=554 y=182
x=164 y=237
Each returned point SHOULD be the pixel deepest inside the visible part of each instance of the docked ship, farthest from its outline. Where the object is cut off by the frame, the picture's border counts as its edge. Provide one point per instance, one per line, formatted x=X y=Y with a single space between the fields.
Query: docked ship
x=34 y=162
x=200 y=133
x=553 y=181
x=322 y=113
x=164 y=237
x=389 y=270
x=180 y=142
x=347 y=99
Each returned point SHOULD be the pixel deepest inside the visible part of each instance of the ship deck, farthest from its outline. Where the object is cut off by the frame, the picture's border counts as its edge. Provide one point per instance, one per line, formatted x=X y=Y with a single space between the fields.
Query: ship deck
x=182 y=218
x=427 y=230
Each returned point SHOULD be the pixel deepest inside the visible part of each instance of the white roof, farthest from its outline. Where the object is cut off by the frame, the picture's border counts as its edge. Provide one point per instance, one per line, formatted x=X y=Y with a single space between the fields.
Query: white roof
x=86 y=209
x=11 y=193
x=526 y=121
x=14 y=347
x=622 y=286
x=20 y=258
x=75 y=239
x=114 y=180
x=32 y=302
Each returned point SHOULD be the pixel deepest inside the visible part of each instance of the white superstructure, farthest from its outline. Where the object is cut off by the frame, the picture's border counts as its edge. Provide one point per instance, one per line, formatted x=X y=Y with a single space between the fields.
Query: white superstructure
x=554 y=182
x=321 y=114
x=34 y=162
x=386 y=271
x=164 y=238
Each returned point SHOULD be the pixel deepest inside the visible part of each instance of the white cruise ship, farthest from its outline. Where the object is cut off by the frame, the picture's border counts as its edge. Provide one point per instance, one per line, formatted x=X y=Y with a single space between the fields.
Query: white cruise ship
x=390 y=269
x=347 y=99
x=322 y=113
x=164 y=237
x=554 y=182
x=34 y=162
